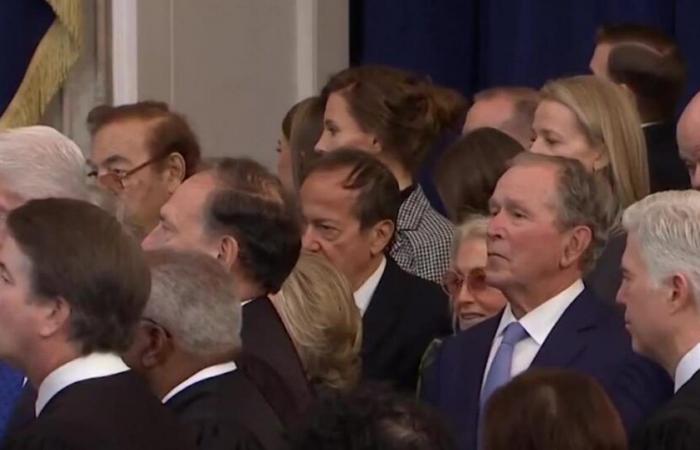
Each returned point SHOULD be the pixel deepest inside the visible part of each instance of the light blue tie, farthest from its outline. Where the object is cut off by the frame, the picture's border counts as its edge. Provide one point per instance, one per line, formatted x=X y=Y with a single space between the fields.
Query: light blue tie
x=499 y=373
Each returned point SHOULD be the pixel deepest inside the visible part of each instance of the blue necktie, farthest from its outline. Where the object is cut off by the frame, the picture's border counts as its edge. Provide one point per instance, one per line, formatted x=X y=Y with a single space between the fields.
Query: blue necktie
x=10 y=389
x=499 y=373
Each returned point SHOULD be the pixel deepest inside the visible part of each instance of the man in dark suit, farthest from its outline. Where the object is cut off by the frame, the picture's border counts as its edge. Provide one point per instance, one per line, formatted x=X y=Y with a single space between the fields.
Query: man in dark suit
x=73 y=288
x=236 y=211
x=185 y=348
x=350 y=202
x=548 y=223
x=648 y=63
x=661 y=296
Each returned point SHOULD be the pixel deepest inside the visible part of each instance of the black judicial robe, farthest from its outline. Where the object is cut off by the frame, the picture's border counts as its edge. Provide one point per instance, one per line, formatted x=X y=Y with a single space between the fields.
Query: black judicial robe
x=115 y=412
x=676 y=426
x=227 y=412
x=265 y=337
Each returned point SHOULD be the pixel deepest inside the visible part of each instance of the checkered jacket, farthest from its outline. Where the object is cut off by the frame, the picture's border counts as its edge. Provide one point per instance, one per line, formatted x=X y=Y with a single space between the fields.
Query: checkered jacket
x=423 y=238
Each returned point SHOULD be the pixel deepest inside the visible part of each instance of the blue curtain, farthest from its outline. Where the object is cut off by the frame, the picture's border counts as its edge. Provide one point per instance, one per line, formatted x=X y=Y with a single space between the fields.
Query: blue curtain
x=473 y=44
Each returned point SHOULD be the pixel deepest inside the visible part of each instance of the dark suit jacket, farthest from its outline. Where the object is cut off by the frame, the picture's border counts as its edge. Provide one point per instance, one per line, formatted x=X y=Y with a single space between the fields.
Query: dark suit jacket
x=265 y=337
x=606 y=277
x=666 y=170
x=116 y=412
x=404 y=315
x=590 y=337
x=676 y=426
x=228 y=412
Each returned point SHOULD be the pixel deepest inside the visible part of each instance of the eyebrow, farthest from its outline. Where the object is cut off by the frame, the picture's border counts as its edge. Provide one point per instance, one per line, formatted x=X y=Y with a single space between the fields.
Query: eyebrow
x=114 y=159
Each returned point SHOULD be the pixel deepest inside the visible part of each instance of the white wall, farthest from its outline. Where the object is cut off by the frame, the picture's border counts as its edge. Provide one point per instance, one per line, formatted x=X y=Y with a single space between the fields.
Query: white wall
x=233 y=67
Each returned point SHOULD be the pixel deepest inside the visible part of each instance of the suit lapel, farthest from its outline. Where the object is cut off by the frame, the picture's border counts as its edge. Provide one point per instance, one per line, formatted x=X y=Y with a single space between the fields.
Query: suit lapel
x=384 y=308
x=567 y=339
x=474 y=363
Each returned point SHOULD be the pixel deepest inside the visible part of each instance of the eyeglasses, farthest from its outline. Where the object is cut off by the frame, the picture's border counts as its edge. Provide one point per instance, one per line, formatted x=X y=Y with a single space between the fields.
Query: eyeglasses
x=452 y=282
x=114 y=181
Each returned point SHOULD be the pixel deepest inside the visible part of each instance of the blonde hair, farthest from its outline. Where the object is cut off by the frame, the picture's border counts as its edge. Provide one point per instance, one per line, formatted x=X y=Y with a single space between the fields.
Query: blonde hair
x=319 y=311
x=608 y=116
x=472 y=227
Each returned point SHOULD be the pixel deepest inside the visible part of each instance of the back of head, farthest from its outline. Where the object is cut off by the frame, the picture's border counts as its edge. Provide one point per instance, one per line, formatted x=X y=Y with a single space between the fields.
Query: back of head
x=378 y=195
x=552 y=409
x=317 y=306
x=39 y=162
x=250 y=204
x=192 y=296
x=404 y=111
x=170 y=133
x=667 y=227
x=302 y=127
x=583 y=199
x=469 y=169
x=81 y=254
x=607 y=115
x=373 y=418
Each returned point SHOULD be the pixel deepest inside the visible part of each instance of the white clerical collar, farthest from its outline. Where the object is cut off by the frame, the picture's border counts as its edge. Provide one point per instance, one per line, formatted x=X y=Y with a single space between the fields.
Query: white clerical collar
x=364 y=294
x=687 y=367
x=204 y=374
x=94 y=365
x=540 y=321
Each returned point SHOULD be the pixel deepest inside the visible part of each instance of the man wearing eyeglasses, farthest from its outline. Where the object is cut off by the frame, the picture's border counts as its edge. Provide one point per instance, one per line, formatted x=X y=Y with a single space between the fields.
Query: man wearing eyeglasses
x=141 y=153
x=350 y=202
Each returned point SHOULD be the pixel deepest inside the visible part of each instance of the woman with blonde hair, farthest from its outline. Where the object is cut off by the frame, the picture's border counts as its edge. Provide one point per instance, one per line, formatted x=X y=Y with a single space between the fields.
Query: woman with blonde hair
x=318 y=309
x=596 y=122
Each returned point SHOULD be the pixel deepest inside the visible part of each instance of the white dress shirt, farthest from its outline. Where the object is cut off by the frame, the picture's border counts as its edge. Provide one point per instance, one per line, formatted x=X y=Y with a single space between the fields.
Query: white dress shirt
x=364 y=294
x=206 y=373
x=94 y=365
x=538 y=323
x=687 y=366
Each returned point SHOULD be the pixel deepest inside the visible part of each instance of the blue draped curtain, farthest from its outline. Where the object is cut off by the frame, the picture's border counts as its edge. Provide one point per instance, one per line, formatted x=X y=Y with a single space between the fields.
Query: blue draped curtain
x=473 y=44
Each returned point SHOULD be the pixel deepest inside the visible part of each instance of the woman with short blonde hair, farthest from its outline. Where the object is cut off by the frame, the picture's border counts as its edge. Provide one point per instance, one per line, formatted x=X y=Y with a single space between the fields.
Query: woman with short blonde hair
x=595 y=121
x=318 y=309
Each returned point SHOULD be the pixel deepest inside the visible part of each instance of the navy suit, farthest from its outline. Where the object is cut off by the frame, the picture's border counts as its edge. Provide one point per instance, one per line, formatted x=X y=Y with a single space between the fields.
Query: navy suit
x=590 y=337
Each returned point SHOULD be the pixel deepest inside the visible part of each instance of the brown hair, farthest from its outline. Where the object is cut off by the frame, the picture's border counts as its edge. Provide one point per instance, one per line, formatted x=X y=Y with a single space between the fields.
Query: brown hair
x=80 y=253
x=302 y=127
x=467 y=172
x=552 y=409
x=404 y=111
x=524 y=100
x=250 y=204
x=378 y=196
x=318 y=309
x=170 y=132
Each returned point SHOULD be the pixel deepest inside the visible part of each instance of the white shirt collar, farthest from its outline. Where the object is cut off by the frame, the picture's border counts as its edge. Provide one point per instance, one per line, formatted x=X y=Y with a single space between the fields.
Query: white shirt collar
x=206 y=373
x=364 y=294
x=539 y=322
x=688 y=365
x=94 y=365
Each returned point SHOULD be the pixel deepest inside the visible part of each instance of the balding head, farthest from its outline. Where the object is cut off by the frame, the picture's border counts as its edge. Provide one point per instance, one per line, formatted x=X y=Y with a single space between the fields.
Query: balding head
x=688 y=136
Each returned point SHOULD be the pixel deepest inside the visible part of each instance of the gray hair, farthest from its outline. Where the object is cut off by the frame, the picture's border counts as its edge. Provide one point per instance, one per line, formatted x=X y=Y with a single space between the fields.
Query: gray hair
x=39 y=162
x=667 y=225
x=583 y=199
x=192 y=296
x=472 y=227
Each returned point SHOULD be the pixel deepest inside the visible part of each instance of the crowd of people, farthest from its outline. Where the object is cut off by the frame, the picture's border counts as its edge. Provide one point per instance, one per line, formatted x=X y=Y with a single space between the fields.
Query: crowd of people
x=520 y=271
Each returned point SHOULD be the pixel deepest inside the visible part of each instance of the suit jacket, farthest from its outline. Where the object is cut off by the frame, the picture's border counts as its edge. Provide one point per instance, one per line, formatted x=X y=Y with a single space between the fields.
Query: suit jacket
x=265 y=337
x=676 y=426
x=666 y=170
x=590 y=337
x=109 y=413
x=606 y=277
x=404 y=315
x=227 y=412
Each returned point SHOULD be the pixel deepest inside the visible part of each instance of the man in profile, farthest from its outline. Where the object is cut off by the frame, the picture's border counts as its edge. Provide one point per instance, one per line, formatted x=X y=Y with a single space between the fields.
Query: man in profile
x=73 y=286
x=649 y=64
